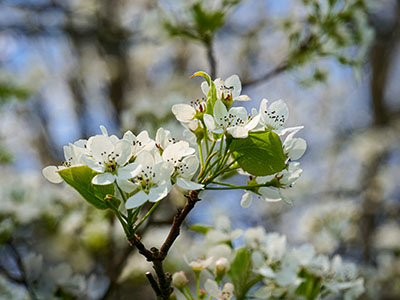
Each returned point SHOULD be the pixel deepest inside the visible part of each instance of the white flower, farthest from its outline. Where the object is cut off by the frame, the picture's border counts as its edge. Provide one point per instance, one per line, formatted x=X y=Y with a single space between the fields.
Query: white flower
x=73 y=154
x=287 y=178
x=200 y=264
x=153 y=182
x=186 y=114
x=275 y=115
x=228 y=90
x=139 y=143
x=235 y=121
x=294 y=147
x=110 y=157
x=185 y=164
x=212 y=288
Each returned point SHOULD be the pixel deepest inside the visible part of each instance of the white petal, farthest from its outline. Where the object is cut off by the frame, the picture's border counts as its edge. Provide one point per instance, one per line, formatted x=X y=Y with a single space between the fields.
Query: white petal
x=240 y=112
x=204 y=87
x=100 y=146
x=175 y=151
x=270 y=194
x=129 y=171
x=50 y=173
x=246 y=199
x=126 y=185
x=158 y=193
x=183 y=112
x=162 y=137
x=163 y=171
x=220 y=113
x=253 y=122
x=94 y=165
x=145 y=159
x=212 y=288
x=103 y=179
x=238 y=132
x=188 y=185
x=296 y=148
x=234 y=81
x=242 y=98
x=136 y=200
x=293 y=130
x=209 y=121
x=129 y=137
x=122 y=152
x=190 y=165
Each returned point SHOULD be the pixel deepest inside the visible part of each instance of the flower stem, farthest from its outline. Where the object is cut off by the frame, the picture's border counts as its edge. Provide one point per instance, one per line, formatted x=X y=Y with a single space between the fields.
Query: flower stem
x=197 y=285
x=146 y=216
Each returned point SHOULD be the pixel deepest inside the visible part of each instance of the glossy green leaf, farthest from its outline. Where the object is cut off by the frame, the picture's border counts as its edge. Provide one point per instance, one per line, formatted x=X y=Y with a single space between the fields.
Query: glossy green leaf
x=80 y=178
x=260 y=154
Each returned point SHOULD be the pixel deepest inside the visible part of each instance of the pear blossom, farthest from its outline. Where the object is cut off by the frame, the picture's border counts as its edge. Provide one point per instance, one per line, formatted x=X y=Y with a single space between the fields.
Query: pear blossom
x=212 y=288
x=228 y=90
x=185 y=164
x=275 y=115
x=110 y=158
x=187 y=113
x=152 y=183
x=235 y=121
x=141 y=142
x=73 y=157
x=293 y=147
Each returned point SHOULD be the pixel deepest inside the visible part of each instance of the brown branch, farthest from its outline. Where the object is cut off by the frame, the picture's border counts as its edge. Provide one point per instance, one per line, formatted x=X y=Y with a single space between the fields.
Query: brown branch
x=211 y=58
x=163 y=288
x=272 y=73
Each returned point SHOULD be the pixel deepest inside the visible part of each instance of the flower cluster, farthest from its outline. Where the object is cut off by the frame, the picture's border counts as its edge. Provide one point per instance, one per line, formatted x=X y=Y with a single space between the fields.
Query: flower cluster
x=267 y=268
x=144 y=168
x=214 y=119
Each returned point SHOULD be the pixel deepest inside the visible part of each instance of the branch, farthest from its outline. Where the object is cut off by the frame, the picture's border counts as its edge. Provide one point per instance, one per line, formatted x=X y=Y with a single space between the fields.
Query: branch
x=163 y=288
x=274 y=72
x=211 y=59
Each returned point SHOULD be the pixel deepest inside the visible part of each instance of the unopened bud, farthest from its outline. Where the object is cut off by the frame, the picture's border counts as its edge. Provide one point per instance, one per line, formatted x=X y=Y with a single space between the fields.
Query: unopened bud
x=222 y=266
x=202 y=294
x=179 y=280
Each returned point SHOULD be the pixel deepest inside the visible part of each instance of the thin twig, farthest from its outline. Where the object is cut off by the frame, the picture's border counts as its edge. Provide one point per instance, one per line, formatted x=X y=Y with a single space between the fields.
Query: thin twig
x=211 y=59
x=272 y=73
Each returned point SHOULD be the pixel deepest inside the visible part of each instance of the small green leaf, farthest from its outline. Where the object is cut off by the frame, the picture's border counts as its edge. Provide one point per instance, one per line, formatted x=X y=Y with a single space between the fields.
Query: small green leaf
x=240 y=272
x=80 y=178
x=310 y=287
x=212 y=91
x=203 y=229
x=260 y=154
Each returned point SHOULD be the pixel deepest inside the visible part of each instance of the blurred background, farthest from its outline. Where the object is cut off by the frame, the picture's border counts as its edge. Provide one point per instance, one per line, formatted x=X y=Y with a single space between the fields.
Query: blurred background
x=68 y=66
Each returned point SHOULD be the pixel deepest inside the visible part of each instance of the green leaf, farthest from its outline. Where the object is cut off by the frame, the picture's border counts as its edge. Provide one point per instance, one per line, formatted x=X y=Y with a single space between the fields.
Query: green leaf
x=80 y=178
x=310 y=288
x=240 y=272
x=203 y=229
x=260 y=154
x=212 y=91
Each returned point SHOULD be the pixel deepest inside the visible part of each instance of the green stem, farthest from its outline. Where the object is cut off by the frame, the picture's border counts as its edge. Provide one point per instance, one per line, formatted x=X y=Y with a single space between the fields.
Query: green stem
x=201 y=155
x=206 y=166
x=197 y=285
x=236 y=187
x=146 y=216
x=186 y=292
x=205 y=135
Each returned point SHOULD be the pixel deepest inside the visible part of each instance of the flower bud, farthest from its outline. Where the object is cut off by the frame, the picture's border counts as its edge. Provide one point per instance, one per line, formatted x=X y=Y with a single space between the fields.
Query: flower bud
x=179 y=280
x=222 y=266
x=202 y=294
